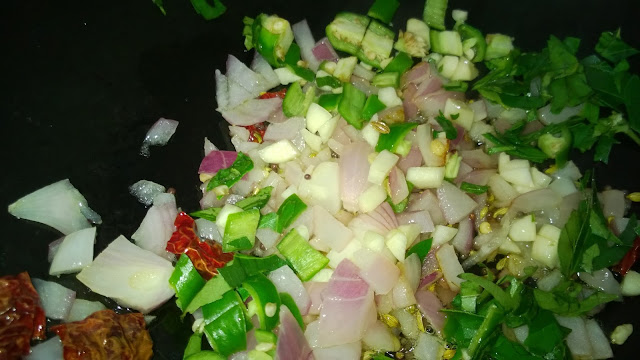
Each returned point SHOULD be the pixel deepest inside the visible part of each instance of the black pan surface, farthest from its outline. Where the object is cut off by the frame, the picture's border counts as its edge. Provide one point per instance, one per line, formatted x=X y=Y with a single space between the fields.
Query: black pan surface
x=82 y=81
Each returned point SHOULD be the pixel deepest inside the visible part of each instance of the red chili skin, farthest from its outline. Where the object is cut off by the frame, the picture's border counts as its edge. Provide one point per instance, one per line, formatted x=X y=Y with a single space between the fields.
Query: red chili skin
x=21 y=317
x=206 y=256
x=629 y=259
x=106 y=335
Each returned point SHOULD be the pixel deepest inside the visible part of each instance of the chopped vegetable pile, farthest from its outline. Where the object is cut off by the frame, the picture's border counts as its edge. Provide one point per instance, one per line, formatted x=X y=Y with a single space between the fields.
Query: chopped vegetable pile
x=392 y=194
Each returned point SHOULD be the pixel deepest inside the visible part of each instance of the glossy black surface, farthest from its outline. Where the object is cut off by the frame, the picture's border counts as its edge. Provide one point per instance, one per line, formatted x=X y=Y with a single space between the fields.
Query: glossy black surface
x=82 y=81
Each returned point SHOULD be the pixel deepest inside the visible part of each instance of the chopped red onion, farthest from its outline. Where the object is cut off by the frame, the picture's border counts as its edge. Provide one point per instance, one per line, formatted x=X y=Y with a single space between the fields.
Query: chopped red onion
x=216 y=160
x=354 y=171
x=377 y=270
x=430 y=306
x=315 y=289
x=479 y=159
x=413 y=159
x=408 y=104
x=158 y=135
x=429 y=279
x=418 y=74
x=286 y=281
x=463 y=241
x=478 y=177
x=291 y=345
x=426 y=200
x=323 y=50
x=455 y=203
x=422 y=218
x=329 y=230
x=397 y=185
x=348 y=307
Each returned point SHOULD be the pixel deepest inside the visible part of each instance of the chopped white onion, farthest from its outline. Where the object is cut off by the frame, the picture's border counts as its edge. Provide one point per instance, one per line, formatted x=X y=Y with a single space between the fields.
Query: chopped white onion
x=158 y=135
x=304 y=39
x=59 y=205
x=599 y=342
x=208 y=230
x=133 y=277
x=285 y=280
x=56 y=299
x=74 y=253
x=209 y=146
x=262 y=67
x=428 y=347
x=47 y=350
x=252 y=111
x=601 y=279
x=157 y=226
x=80 y=309
x=53 y=248
x=145 y=191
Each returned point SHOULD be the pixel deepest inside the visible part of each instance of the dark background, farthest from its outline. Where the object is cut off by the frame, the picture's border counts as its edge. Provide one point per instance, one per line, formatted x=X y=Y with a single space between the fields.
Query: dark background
x=82 y=81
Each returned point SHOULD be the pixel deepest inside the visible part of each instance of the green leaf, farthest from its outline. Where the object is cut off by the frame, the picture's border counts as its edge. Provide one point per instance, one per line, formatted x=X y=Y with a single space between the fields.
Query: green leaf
x=447 y=126
x=504 y=349
x=562 y=59
x=269 y=221
x=611 y=47
x=473 y=188
x=232 y=174
x=210 y=292
x=392 y=140
x=207 y=10
x=492 y=288
x=421 y=249
x=257 y=201
x=564 y=299
x=461 y=326
x=631 y=95
x=209 y=214
x=160 y=6
x=545 y=333
x=290 y=209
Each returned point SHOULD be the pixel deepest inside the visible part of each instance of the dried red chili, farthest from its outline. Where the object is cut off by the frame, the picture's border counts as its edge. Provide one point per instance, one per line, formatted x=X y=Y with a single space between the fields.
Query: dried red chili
x=269 y=95
x=256 y=132
x=629 y=259
x=106 y=335
x=21 y=317
x=206 y=256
